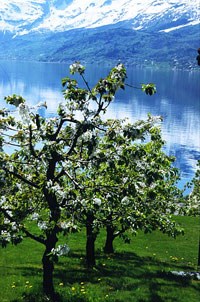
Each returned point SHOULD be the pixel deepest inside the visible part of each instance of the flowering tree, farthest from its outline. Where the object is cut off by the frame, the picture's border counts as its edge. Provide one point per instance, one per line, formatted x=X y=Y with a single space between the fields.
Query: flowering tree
x=133 y=182
x=78 y=168
x=40 y=175
x=192 y=201
x=147 y=194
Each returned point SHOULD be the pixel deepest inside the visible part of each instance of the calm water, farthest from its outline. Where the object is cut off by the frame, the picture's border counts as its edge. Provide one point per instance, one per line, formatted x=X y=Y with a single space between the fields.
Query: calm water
x=177 y=100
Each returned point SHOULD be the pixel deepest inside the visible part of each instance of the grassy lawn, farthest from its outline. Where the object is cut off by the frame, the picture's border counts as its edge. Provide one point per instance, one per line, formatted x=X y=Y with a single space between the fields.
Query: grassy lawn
x=137 y=272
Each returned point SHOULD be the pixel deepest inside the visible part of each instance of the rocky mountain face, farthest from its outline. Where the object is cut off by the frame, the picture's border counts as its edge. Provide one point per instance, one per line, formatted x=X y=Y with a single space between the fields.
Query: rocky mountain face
x=130 y=30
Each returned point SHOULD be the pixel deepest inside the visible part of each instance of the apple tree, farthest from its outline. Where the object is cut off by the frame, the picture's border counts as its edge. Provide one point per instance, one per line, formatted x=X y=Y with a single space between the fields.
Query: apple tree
x=130 y=184
x=78 y=168
x=39 y=160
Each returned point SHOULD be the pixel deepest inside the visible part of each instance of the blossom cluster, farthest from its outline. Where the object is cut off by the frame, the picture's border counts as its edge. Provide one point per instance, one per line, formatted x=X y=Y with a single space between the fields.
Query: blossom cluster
x=2 y=200
x=61 y=250
x=24 y=113
x=57 y=190
x=76 y=67
x=42 y=225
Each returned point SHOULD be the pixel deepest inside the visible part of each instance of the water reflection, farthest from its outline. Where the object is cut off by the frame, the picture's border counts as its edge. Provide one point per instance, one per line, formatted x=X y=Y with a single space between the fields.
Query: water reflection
x=177 y=100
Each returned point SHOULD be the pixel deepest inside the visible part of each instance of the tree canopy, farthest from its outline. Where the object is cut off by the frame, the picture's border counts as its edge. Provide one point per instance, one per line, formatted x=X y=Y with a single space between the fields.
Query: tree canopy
x=79 y=169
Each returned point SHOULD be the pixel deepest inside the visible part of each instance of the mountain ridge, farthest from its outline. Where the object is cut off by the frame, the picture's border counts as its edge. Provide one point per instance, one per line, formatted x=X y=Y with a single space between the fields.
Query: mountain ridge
x=161 y=31
x=61 y=15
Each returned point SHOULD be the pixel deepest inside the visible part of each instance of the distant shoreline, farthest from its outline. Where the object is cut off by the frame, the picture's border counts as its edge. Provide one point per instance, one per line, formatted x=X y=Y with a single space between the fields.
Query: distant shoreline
x=149 y=64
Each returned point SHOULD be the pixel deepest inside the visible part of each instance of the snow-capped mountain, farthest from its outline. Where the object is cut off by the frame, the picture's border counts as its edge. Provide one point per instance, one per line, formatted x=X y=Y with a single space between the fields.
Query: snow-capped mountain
x=133 y=31
x=21 y=17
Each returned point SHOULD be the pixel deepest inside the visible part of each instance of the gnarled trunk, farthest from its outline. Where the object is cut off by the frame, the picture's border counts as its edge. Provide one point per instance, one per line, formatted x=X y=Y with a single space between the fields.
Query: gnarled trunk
x=90 y=241
x=50 y=243
x=198 y=264
x=48 y=265
x=108 y=248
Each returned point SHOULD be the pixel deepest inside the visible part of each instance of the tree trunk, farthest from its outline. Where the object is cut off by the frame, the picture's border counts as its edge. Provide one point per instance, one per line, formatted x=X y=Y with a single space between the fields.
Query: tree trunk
x=90 y=242
x=198 y=263
x=48 y=266
x=108 y=248
x=51 y=235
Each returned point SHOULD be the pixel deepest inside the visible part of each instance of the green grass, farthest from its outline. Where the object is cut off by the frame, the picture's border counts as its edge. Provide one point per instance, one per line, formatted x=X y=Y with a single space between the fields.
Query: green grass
x=138 y=272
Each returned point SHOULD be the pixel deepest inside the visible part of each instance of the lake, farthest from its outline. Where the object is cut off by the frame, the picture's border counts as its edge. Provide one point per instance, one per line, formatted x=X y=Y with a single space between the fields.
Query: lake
x=177 y=100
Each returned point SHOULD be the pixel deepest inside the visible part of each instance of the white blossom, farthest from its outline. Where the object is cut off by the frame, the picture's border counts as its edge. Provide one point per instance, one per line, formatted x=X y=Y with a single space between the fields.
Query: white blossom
x=195 y=275
x=42 y=225
x=6 y=235
x=56 y=188
x=125 y=180
x=61 y=250
x=2 y=200
x=119 y=67
x=76 y=67
x=35 y=216
x=60 y=193
x=88 y=135
x=24 y=113
x=10 y=213
x=97 y=201
x=83 y=202
x=10 y=167
x=14 y=226
x=19 y=186
x=6 y=221
x=64 y=225
x=49 y=184
x=29 y=177
x=125 y=200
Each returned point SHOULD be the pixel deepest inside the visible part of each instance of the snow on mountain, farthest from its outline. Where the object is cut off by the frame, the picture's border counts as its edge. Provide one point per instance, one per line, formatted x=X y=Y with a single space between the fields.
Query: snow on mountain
x=21 y=17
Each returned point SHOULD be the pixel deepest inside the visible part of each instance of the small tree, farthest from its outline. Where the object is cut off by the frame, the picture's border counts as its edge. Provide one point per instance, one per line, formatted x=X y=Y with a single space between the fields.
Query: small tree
x=133 y=183
x=147 y=194
x=79 y=168
x=39 y=176
x=192 y=202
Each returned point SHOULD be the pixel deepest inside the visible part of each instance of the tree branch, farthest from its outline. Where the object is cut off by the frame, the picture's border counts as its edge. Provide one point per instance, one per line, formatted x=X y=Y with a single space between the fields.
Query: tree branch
x=132 y=86
x=86 y=83
x=73 y=180
x=53 y=137
x=14 y=145
x=34 y=237
x=23 y=229
x=60 y=174
x=25 y=180
x=30 y=143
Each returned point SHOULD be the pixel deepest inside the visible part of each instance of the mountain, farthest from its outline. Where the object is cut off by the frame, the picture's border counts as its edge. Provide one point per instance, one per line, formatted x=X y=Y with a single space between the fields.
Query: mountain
x=22 y=17
x=130 y=30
